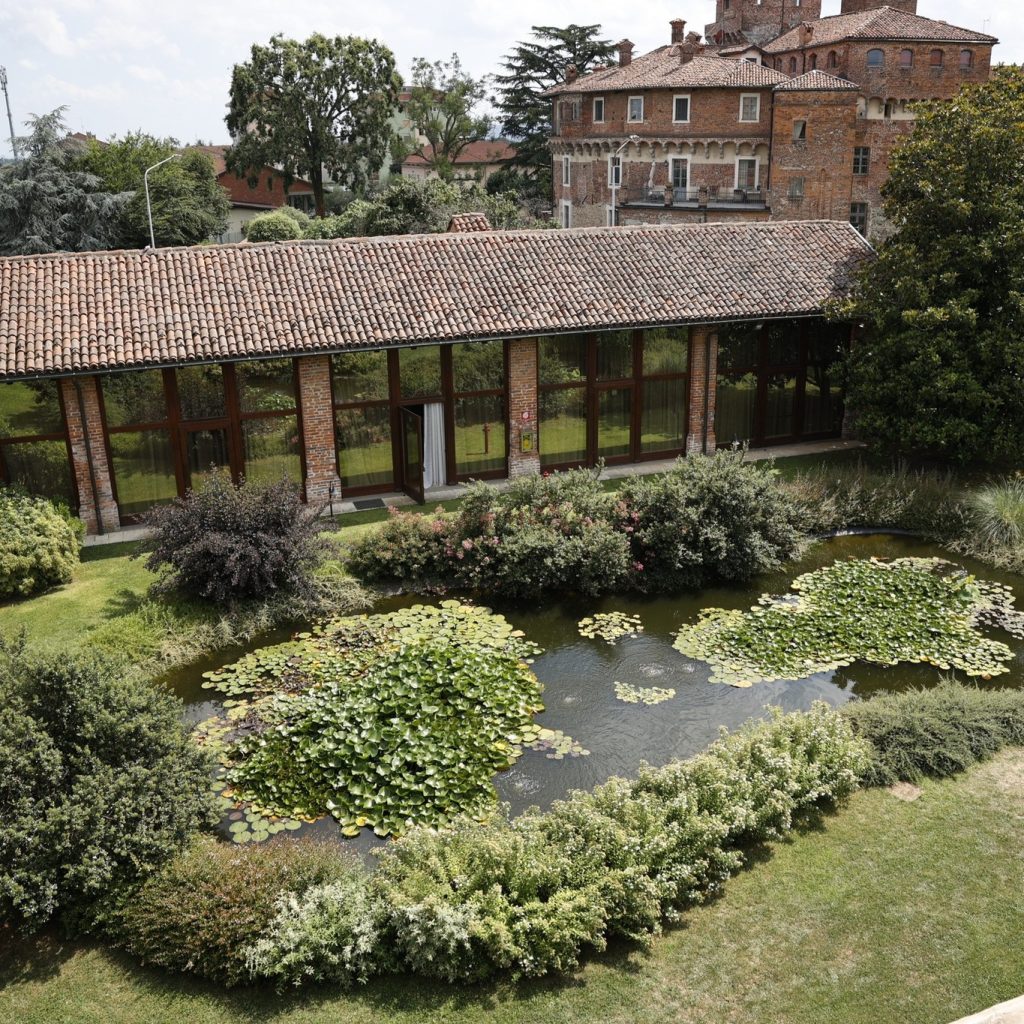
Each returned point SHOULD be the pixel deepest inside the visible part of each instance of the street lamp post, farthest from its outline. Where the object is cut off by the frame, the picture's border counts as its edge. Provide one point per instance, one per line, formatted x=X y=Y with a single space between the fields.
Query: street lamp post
x=145 y=183
x=618 y=183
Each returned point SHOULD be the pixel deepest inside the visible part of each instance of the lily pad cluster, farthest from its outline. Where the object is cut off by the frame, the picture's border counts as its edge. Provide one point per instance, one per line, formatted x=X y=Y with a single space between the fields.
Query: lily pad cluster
x=383 y=721
x=884 y=612
x=643 y=694
x=554 y=743
x=610 y=626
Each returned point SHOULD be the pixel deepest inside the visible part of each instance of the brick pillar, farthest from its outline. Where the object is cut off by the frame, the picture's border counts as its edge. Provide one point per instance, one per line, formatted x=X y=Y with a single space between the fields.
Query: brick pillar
x=318 y=429
x=92 y=476
x=703 y=380
x=522 y=406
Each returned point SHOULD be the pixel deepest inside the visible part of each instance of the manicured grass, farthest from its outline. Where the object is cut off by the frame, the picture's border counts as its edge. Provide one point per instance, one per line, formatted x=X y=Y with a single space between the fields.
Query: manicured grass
x=887 y=910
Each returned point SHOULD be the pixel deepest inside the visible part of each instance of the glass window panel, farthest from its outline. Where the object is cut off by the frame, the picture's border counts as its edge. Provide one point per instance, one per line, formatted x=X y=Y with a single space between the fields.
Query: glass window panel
x=823 y=402
x=563 y=426
x=562 y=360
x=206 y=452
x=360 y=376
x=271 y=447
x=479 y=366
x=130 y=398
x=364 y=446
x=666 y=350
x=266 y=386
x=419 y=371
x=780 y=405
x=201 y=392
x=143 y=465
x=614 y=419
x=615 y=355
x=784 y=343
x=663 y=419
x=827 y=343
x=28 y=408
x=479 y=434
x=734 y=407
x=738 y=347
x=40 y=467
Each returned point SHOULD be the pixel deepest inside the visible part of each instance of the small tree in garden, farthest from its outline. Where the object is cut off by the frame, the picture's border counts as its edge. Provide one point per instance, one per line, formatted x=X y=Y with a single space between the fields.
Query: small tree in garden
x=38 y=545
x=225 y=542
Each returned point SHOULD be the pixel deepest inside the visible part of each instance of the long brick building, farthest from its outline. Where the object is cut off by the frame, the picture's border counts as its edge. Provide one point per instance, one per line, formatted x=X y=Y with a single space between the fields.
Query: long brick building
x=779 y=115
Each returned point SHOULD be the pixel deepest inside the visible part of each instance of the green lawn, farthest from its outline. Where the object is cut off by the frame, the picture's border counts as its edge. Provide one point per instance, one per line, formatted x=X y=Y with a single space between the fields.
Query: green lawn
x=891 y=911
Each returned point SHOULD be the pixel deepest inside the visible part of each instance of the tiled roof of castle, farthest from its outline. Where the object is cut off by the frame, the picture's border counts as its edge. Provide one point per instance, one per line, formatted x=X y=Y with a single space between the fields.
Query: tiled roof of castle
x=817 y=81
x=77 y=312
x=662 y=68
x=483 y=151
x=882 y=23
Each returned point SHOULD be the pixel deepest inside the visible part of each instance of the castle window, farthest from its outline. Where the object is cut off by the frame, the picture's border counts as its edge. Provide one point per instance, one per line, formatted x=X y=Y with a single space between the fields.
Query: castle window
x=796 y=188
x=598 y=110
x=746 y=173
x=859 y=217
x=833 y=59
x=906 y=58
x=565 y=217
x=814 y=62
x=566 y=170
x=799 y=131
x=750 y=107
x=861 y=159
x=876 y=58
x=937 y=58
x=966 y=60
x=614 y=171
x=680 y=172
x=681 y=109
x=792 y=65
x=636 y=108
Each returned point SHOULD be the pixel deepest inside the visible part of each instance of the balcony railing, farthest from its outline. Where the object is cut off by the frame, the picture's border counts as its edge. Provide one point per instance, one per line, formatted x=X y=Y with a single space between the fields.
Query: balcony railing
x=711 y=196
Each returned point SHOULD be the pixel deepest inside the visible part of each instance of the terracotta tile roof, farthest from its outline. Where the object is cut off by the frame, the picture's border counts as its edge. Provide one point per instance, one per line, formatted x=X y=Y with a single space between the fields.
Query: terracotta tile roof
x=216 y=153
x=485 y=151
x=817 y=81
x=662 y=68
x=882 y=23
x=76 y=312
x=469 y=222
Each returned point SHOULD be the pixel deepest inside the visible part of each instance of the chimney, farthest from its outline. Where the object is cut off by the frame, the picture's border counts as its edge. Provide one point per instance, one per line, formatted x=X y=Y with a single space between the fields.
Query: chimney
x=571 y=74
x=806 y=33
x=678 y=28
x=625 y=48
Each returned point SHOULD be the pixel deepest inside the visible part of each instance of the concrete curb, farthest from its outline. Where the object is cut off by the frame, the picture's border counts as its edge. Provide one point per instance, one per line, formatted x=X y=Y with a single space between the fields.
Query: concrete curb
x=1011 y=1012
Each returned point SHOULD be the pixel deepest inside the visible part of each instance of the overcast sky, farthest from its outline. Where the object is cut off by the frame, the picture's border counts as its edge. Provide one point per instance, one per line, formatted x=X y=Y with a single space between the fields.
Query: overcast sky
x=164 y=65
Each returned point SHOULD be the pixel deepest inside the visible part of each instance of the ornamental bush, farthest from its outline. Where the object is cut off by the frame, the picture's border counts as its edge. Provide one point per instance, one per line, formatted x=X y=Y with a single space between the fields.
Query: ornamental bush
x=226 y=541
x=274 y=227
x=99 y=785
x=38 y=545
x=200 y=913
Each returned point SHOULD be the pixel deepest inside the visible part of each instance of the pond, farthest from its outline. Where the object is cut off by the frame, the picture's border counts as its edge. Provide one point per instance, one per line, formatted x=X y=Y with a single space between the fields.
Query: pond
x=578 y=676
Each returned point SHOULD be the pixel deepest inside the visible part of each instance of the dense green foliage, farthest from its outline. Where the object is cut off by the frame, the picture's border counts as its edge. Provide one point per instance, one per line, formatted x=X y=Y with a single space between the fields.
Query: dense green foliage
x=996 y=516
x=99 y=785
x=200 y=912
x=939 y=367
x=711 y=518
x=389 y=721
x=532 y=67
x=273 y=227
x=307 y=107
x=938 y=732
x=38 y=545
x=907 y=610
x=226 y=541
x=46 y=205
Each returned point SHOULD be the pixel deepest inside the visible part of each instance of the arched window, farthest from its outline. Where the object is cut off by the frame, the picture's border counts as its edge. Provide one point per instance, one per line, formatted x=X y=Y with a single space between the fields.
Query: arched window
x=906 y=58
x=936 y=58
x=792 y=65
x=876 y=58
x=966 y=59
x=833 y=59
x=814 y=62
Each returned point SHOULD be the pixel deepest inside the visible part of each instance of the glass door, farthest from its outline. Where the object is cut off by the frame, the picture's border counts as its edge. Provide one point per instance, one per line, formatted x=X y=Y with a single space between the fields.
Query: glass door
x=412 y=453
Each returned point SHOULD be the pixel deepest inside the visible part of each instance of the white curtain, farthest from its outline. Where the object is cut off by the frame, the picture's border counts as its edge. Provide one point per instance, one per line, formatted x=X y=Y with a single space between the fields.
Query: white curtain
x=433 y=445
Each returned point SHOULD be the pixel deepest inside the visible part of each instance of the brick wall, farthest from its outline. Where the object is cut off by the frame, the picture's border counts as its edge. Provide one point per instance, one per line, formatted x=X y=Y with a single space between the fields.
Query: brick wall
x=86 y=436
x=703 y=380
x=268 y=190
x=522 y=405
x=314 y=378
x=763 y=20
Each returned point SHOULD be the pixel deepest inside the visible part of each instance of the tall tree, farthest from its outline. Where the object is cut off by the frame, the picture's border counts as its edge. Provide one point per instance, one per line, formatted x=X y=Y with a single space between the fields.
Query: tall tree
x=48 y=206
x=314 y=106
x=532 y=67
x=443 y=108
x=941 y=368
x=189 y=205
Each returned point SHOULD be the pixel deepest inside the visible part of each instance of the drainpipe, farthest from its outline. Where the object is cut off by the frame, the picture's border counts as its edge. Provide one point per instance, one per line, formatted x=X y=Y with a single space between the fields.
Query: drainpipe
x=707 y=393
x=88 y=456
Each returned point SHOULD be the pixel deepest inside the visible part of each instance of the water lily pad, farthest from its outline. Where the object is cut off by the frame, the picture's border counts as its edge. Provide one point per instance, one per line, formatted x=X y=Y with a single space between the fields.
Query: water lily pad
x=642 y=694
x=610 y=626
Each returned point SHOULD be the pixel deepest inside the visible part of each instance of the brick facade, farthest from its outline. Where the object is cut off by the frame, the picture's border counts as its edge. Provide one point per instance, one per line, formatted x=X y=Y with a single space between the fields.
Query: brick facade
x=736 y=21
x=523 y=408
x=96 y=505
x=316 y=403
x=700 y=429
